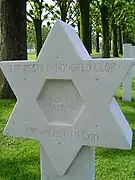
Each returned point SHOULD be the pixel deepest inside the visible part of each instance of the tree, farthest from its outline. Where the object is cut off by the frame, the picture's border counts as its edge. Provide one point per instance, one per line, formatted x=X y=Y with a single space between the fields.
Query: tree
x=45 y=31
x=13 y=36
x=103 y=6
x=105 y=29
x=64 y=6
x=127 y=22
x=113 y=22
x=70 y=14
x=84 y=6
x=115 y=13
x=115 y=38
x=36 y=14
x=31 y=35
x=66 y=10
x=122 y=17
x=96 y=24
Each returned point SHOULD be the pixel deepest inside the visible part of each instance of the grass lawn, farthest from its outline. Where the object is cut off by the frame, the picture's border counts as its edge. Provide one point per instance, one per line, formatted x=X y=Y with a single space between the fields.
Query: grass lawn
x=19 y=158
x=31 y=56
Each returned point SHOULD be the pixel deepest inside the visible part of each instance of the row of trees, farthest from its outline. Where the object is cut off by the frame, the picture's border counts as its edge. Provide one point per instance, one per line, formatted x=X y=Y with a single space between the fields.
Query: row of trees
x=112 y=20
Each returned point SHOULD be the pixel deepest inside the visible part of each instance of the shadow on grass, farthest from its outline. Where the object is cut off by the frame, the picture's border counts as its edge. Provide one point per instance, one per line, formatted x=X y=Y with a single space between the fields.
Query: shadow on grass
x=19 y=168
x=7 y=103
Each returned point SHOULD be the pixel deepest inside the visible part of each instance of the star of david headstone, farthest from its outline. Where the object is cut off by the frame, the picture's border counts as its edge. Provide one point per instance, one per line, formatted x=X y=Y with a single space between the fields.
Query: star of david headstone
x=66 y=100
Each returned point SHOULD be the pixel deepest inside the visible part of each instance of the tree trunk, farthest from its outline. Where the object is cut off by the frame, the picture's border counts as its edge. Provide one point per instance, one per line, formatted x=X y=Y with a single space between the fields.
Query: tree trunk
x=114 y=35
x=63 y=11
x=38 y=29
x=110 y=43
x=97 y=42
x=90 y=38
x=105 y=29
x=126 y=38
x=78 y=25
x=84 y=23
x=13 y=36
x=120 y=41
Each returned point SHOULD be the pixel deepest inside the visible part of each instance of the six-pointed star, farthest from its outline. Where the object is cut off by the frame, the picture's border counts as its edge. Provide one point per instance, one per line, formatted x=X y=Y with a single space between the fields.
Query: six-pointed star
x=99 y=122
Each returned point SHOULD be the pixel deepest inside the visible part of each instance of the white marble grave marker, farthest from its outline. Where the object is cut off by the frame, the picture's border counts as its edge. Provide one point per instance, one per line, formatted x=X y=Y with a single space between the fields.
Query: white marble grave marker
x=127 y=83
x=66 y=101
x=129 y=51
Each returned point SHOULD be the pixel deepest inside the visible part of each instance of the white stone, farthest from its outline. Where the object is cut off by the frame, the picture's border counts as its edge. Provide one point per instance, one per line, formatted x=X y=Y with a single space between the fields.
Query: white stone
x=133 y=67
x=127 y=83
x=67 y=84
x=82 y=167
x=129 y=50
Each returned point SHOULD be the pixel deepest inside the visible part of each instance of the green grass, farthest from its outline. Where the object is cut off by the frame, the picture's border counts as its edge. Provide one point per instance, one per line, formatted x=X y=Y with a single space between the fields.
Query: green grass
x=31 y=56
x=94 y=53
x=19 y=158
x=112 y=164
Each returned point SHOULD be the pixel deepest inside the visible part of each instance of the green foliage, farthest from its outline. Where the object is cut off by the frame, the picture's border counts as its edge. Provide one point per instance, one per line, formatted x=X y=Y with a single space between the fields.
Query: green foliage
x=31 y=36
x=45 y=31
x=96 y=18
x=66 y=10
x=122 y=11
x=37 y=9
x=128 y=19
x=38 y=13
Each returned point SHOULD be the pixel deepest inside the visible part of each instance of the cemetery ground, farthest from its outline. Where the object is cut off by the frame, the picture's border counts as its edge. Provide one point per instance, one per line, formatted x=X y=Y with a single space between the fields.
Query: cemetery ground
x=19 y=158
x=31 y=56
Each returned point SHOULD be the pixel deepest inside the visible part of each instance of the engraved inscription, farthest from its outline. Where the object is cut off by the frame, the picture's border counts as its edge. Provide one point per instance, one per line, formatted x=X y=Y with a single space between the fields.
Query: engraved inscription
x=71 y=68
x=60 y=101
x=33 y=68
x=57 y=134
x=14 y=68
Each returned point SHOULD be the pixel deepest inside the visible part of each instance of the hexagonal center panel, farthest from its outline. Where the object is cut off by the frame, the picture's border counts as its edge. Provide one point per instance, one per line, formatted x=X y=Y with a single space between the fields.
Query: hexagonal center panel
x=60 y=101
